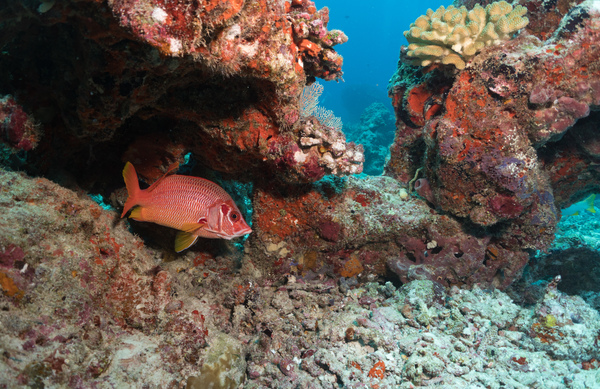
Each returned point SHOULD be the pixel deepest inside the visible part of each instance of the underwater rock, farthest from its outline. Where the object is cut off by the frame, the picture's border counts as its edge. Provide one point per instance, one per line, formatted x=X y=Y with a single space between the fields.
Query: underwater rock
x=18 y=129
x=224 y=366
x=364 y=228
x=559 y=319
x=82 y=299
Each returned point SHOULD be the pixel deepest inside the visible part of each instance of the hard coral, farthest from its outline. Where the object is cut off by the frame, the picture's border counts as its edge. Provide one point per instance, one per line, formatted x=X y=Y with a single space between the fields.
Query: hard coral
x=321 y=148
x=313 y=42
x=515 y=139
x=453 y=36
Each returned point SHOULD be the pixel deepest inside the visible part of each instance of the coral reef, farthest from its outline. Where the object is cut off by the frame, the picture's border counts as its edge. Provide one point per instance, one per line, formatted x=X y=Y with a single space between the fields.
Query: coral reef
x=328 y=144
x=324 y=148
x=82 y=300
x=574 y=255
x=453 y=36
x=17 y=128
x=370 y=226
x=388 y=281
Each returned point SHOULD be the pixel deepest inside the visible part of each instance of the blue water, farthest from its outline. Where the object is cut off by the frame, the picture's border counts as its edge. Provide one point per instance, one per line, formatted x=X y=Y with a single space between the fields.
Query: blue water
x=375 y=32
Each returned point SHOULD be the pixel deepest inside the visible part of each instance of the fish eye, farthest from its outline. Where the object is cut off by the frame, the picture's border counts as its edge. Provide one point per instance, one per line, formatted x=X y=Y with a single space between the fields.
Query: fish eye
x=234 y=216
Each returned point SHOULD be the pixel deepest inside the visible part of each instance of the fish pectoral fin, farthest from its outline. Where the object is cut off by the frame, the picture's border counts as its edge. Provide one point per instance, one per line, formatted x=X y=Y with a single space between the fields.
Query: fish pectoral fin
x=136 y=214
x=184 y=240
x=191 y=227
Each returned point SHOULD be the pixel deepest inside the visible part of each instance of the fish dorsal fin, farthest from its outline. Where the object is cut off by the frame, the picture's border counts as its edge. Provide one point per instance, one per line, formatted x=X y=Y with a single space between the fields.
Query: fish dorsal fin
x=172 y=168
x=184 y=240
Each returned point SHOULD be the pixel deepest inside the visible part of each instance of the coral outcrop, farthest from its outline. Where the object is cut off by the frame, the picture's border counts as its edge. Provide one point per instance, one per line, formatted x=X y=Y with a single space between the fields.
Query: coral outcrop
x=454 y=35
x=219 y=79
x=507 y=142
x=363 y=229
x=72 y=283
x=18 y=129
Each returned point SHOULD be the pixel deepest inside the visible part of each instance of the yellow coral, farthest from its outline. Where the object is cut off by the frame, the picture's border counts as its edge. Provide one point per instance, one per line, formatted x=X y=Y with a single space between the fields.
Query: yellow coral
x=454 y=35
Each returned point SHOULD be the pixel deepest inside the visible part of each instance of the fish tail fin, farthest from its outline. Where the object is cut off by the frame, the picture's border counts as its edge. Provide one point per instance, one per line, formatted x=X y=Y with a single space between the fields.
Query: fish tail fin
x=133 y=188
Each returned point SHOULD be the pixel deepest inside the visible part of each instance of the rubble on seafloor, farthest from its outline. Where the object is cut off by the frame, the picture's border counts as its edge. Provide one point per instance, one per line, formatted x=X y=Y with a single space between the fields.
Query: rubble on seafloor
x=87 y=304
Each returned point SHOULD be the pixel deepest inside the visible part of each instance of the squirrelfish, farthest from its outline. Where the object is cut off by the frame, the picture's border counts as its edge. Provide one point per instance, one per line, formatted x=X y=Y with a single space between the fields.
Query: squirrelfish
x=193 y=205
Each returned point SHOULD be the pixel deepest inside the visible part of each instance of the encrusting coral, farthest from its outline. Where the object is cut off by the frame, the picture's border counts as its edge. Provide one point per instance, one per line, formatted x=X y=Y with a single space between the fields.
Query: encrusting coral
x=452 y=36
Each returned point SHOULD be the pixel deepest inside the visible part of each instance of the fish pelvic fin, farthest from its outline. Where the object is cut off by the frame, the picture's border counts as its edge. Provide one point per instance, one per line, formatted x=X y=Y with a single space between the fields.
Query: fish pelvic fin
x=133 y=188
x=184 y=240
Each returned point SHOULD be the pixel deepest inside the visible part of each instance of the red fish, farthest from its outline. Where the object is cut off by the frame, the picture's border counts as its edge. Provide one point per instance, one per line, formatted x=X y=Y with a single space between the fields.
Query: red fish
x=193 y=205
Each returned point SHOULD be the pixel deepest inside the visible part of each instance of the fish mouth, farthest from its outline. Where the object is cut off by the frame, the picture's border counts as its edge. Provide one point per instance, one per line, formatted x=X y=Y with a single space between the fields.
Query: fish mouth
x=235 y=235
x=242 y=233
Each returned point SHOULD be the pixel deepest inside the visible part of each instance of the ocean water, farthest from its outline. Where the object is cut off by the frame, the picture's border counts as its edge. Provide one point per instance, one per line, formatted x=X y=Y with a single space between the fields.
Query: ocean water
x=375 y=32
